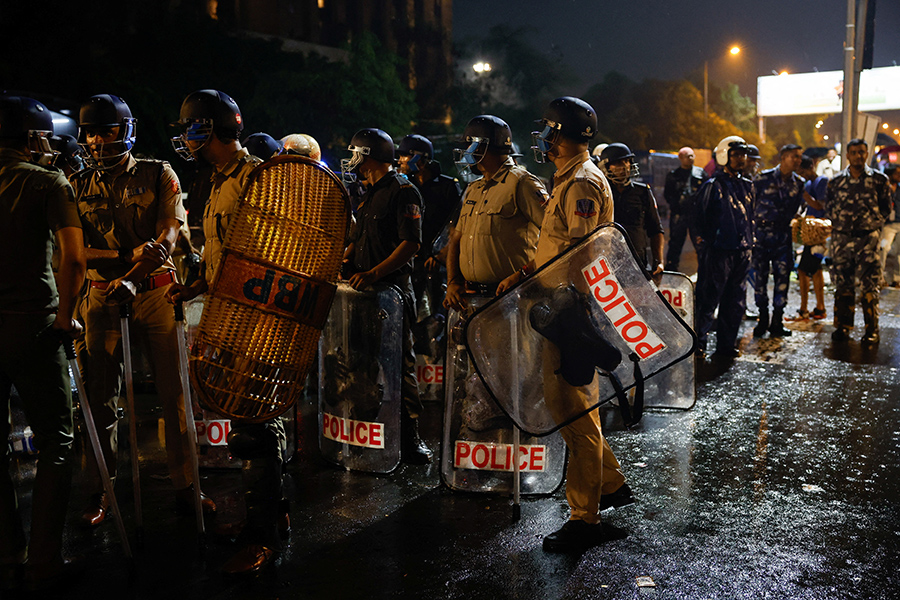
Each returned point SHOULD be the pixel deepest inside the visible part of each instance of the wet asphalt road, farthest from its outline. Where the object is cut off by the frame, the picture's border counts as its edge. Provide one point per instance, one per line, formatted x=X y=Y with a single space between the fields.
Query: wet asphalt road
x=782 y=482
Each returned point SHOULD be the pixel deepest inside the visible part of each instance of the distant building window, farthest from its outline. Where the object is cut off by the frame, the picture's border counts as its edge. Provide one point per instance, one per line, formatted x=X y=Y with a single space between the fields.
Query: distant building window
x=212 y=8
x=321 y=3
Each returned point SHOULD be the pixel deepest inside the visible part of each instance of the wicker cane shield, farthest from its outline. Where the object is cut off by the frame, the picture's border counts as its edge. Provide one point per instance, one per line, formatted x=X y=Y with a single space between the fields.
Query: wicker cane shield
x=270 y=297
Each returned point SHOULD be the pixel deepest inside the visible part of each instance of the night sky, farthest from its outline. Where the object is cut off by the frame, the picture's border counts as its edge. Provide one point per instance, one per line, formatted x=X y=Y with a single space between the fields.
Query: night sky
x=669 y=39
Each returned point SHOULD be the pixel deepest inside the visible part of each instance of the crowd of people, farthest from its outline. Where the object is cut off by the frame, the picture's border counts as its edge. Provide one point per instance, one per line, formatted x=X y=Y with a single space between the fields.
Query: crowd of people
x=115 y=220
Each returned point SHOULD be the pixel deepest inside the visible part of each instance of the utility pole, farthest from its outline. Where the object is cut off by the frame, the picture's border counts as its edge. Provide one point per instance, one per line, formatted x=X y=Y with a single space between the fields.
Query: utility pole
x=848 y=114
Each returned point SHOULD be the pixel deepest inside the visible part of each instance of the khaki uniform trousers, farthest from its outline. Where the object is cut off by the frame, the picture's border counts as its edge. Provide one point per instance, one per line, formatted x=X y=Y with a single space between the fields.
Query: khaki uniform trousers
x=593 y=469
x=152 y=328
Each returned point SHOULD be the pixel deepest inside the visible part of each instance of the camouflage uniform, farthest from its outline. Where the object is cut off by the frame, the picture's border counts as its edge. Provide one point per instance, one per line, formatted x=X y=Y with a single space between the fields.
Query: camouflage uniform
x=775 y=203
x=857 y=209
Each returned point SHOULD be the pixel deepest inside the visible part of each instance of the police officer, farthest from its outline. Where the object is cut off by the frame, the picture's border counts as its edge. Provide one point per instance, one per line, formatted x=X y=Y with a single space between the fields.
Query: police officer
x=778 y=195
x=635 y=207
x=386 y=236
x=501 y=215
x=131 y=212
x=302 y=144
x=723 y=239
x=857 y=201
x=751 y=167
x=263 y=145
x=210 y=125
x=581 y=200
x=37 y=208
x=441 y=204
x=681 y=185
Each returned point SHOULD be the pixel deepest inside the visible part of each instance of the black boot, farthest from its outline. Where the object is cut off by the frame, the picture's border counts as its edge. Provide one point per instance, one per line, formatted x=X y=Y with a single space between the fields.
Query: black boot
x=412 y=449
x=870 y=316
x=762 y=325
x=776 y=327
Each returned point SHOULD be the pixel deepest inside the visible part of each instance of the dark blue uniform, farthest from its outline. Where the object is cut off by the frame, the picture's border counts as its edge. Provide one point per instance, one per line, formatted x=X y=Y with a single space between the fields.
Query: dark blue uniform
x=776 y=202
x=722 y=222
x=681 y=186
x=391 y=212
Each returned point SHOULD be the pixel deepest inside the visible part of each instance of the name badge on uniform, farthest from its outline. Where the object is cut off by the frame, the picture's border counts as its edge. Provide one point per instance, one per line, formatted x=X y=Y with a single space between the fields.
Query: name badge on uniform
x=130 y=192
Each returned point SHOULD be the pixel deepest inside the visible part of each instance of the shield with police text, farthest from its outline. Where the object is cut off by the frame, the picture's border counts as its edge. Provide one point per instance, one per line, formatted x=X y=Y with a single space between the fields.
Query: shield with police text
x=585 y=326
x=479 y=438
x=675 y=387
x=360 y=370
x=268 y=302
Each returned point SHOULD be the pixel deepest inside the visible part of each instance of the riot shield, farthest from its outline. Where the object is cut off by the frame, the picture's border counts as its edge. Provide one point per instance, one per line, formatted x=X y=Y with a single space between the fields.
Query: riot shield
x=589 y=316
x=270 y=296
x=675 y=387
x=478 y=438
x=360 y=369
x=212 y=428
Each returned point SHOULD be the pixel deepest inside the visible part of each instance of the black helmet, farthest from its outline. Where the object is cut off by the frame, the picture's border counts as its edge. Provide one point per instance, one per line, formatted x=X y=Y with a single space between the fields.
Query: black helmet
x=371 y=143
x=416 y=144
x=30 y=122
x=418 y=148
x=753 y=151
x=482 y=134
x=262 y=145
x=205 y=112
x=100 y=112
x=70 y=152
x=614 y=153
x=571 y=118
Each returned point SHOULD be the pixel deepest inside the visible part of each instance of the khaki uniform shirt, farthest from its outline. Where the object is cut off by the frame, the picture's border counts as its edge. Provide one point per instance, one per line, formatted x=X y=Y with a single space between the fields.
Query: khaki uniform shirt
x=581 y=200
x=227 y=184
x=35 y=203
x=120 y=207
x=500 y=223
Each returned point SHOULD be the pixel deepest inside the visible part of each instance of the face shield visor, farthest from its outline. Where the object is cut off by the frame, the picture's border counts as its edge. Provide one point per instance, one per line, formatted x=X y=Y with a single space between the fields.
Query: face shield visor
x=621 y=171
x=39 y=146
x=413 y=163
x=468 y=157
x=195 y=134
x=102 y=155
x=544 y=140
x=350 y=166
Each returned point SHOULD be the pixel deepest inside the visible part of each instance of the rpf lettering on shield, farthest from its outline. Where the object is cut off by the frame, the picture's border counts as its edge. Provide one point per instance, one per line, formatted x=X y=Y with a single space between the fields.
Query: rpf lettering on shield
x=628 y=323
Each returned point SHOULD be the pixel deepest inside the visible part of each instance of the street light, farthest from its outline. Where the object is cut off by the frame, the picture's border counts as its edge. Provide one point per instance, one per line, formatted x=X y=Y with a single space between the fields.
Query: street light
x=734 y=51
x=481 y=67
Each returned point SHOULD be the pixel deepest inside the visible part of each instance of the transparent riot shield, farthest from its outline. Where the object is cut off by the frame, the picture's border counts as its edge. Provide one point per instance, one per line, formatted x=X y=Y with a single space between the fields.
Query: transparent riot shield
x=675 y=387
x=596 y=303
x=430 y=347
x=479 y=438
x=360 y=363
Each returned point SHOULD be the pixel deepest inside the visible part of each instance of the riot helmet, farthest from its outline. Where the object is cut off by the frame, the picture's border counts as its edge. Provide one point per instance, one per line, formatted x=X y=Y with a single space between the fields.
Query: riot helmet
x=27 y=121
x=203 y=113
x=367 y=143
x=615 y=153
x=569 y=117
x=727 y=146
x=98 y=118
x=302 y=144
x=70 y=153
x=419 y=151
x=262 y=145
x=482 y=134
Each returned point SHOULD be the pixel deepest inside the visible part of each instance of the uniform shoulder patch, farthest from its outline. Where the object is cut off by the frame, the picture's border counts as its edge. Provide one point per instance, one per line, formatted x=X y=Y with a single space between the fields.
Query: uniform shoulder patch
x=413 y=211
x=585 y=208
